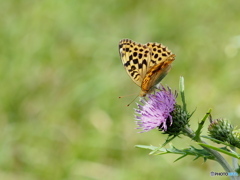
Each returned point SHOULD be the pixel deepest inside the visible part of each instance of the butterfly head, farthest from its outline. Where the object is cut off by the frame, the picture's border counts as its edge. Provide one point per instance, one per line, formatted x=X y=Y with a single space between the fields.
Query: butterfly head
x=143 y=93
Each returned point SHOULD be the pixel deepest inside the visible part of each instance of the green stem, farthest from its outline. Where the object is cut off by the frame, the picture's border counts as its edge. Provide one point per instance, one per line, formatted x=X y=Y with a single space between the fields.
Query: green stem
x=219 y=157
x=234 y=160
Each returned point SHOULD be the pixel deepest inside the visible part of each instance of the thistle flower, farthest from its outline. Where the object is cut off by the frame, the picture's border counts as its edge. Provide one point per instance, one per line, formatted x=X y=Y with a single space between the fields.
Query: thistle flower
x=155 y=111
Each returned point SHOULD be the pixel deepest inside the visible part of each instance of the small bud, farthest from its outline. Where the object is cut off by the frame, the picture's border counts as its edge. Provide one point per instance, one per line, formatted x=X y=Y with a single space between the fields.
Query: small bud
x=236 y=136
x=222 y=130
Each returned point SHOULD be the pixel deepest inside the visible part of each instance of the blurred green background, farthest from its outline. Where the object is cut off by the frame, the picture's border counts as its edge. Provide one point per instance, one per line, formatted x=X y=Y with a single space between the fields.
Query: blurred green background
x=61 y=75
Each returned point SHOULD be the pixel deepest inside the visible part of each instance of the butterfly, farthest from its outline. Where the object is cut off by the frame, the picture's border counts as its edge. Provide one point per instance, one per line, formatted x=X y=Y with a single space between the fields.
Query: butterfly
x=146 y=64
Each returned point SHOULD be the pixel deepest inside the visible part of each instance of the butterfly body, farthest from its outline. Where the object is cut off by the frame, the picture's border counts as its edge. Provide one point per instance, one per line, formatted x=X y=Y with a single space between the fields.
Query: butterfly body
x=146 y=64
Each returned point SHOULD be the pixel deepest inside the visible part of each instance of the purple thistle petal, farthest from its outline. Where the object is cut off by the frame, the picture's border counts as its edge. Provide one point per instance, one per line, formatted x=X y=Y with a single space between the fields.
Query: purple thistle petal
x=155 y=110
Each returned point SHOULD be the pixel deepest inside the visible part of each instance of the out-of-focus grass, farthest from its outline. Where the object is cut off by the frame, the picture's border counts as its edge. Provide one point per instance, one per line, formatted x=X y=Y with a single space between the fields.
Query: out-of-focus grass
x=60 y=76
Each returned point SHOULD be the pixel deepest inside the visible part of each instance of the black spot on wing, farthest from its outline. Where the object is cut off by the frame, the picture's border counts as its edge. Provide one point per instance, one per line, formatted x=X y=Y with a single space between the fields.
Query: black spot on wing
x=134 y=74
x=127 y=64
x=154 y=62
x=140 y=65
x=135 y=61
x=144 y=62
x=130 y=57
x=133 y=68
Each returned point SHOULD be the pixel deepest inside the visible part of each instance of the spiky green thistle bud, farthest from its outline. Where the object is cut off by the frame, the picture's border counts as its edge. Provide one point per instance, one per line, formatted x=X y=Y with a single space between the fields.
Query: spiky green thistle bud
x=222 y=130
x=180 y=119
x=236 y=136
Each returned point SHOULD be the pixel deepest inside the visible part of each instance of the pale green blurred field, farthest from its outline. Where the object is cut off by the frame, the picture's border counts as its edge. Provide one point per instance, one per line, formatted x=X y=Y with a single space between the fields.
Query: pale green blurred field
x=61 y=75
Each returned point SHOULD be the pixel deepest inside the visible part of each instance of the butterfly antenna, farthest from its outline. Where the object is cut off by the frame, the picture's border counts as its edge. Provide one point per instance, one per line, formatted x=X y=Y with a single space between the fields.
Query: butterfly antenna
x=132 y=100
x=126 y=96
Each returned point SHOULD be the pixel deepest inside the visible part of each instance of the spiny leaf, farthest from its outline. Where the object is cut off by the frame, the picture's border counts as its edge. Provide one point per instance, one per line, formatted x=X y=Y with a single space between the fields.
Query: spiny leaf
x=180 y=157
x=147 y=147
x=192 y=151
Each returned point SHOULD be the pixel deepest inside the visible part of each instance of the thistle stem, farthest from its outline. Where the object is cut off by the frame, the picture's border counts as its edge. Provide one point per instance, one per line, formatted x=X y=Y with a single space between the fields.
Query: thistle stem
x=234 y=160
x=219 y=158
